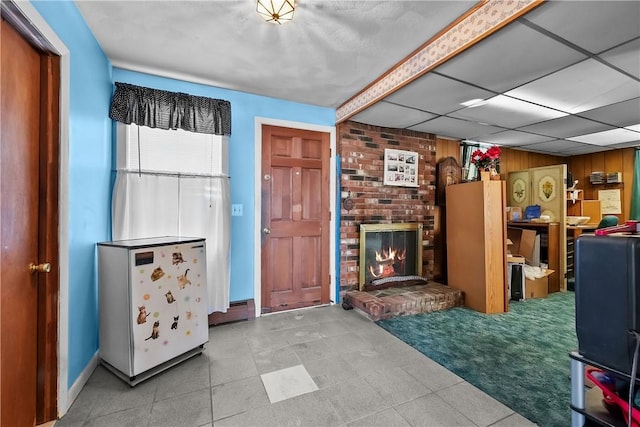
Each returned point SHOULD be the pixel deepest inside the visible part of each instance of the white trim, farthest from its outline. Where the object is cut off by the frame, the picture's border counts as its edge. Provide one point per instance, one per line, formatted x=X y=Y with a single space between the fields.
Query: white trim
x=82 y=379
x=63 y=203
x=257 y=214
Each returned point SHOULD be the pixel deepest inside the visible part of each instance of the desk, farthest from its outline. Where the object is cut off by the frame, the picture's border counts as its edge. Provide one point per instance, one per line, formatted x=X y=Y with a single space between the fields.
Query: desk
x=554 y=254
x=576 y=230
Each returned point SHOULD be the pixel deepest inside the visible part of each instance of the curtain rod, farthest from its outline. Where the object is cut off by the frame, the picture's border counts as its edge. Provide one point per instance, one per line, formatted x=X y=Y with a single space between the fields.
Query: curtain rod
x=173 y=174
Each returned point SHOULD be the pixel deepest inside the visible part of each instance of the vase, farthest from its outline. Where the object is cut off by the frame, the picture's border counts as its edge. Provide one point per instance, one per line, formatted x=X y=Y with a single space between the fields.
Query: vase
x=485 y=175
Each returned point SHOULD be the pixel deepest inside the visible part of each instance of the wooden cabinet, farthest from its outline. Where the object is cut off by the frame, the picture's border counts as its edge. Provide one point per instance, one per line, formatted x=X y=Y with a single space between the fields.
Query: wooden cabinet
x=590 y=208
x=577 y=206
x=476 y=244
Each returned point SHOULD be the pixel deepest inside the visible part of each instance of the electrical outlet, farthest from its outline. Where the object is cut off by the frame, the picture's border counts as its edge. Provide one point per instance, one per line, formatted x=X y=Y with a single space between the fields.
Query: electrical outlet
x=236 y=210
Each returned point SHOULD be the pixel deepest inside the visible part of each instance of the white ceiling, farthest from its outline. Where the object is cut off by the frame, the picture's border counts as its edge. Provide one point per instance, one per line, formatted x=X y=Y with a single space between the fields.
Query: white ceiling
x=564 y=79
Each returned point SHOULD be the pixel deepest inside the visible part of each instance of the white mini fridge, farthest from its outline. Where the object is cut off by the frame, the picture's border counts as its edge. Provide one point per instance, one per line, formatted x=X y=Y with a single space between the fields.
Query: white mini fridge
x=153 y=304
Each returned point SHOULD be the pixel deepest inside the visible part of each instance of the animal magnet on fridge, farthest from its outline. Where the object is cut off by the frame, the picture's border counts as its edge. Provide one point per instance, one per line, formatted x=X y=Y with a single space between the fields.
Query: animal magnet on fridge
x=183 y=281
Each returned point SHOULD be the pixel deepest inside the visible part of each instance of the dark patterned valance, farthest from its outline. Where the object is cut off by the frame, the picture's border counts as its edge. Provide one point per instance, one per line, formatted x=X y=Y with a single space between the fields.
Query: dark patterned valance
x=170 y=110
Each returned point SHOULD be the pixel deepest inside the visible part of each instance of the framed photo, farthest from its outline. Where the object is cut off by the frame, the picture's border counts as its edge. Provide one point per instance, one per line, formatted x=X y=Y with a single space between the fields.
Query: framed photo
x=400 y=168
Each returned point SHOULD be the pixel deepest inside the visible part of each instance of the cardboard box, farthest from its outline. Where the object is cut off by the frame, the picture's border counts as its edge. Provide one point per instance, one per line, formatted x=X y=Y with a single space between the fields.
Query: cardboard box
x=523 y=243
x=538 y=288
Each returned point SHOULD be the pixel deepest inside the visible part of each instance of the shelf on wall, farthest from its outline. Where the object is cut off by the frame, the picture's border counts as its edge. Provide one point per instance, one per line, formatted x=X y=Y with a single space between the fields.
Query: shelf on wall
x=599 y=178
x=574 y=195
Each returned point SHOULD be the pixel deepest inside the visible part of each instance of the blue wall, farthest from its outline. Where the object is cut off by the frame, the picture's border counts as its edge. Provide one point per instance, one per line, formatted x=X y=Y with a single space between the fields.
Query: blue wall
x=244 y=108
x=89 y=174
x=90 y=163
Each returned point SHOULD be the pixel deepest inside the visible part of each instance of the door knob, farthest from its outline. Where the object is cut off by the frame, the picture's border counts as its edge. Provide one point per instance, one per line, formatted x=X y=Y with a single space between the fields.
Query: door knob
x=266 y=230
x=39 y=268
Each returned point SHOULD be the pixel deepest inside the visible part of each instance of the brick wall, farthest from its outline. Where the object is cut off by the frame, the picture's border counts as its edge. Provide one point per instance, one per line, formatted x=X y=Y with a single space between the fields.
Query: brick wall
x=361 y=148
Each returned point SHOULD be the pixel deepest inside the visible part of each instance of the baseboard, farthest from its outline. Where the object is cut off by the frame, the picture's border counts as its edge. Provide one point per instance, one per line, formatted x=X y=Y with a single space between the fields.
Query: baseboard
x=239 y=310
x=79 y=384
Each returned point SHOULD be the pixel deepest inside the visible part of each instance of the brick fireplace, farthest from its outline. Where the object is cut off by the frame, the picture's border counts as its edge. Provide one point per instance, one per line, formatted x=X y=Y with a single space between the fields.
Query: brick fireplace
x=361 y=149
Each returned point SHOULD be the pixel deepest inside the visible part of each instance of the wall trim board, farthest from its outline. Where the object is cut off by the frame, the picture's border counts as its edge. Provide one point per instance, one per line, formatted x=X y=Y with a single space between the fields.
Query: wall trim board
x=81 y=381
x=238 y=310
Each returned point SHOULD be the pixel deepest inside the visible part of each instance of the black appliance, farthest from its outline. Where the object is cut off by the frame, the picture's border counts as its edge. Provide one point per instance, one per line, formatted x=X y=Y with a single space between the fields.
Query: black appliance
x=607 y=295
x=517 y=293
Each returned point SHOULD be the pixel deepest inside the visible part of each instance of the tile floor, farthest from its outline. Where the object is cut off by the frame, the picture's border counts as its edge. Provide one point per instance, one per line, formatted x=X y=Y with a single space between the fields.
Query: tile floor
x=318 y=367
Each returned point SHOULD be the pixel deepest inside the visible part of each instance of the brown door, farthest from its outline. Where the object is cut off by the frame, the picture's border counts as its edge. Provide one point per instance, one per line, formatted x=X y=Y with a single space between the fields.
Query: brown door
x=28 y=331
x=295 y=218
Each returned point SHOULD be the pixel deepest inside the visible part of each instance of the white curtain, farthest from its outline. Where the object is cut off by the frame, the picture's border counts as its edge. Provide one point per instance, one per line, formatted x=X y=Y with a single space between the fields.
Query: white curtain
x=150 y=204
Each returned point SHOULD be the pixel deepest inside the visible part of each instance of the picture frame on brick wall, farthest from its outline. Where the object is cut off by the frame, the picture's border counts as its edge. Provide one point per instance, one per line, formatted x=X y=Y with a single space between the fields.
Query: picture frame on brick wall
x=400 y=168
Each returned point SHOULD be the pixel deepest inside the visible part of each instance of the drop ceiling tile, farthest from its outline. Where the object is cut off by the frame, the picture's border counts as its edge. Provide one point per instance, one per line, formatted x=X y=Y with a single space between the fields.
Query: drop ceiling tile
x=533 y=150
x=385 y=114
x=608 y=137
x=513 y=137
x=586 y=149
x=566 y=126
x=507 y=112
x=626 y=144
x=455 y=128
x=581 y=87
x=593 y=25
x=625 y=57
x=621 y=114
x=509 y=58
x=437 y=94
x=556 y=146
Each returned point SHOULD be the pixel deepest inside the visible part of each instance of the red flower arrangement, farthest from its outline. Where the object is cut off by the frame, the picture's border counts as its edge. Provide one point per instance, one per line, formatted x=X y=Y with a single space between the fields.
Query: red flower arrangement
x=488 y=159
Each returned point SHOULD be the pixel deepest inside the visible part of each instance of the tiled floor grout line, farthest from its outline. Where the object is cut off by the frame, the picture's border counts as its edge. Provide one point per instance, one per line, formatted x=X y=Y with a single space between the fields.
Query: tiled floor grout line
x=345 y=353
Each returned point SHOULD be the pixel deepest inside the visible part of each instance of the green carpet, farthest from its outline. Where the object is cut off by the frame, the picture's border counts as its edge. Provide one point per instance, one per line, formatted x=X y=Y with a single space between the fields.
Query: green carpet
x=520 y=358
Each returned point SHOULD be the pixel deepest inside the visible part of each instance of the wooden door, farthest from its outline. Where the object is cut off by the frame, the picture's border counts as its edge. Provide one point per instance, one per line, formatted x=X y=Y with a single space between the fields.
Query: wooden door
x=295 y=218
x=28 y=231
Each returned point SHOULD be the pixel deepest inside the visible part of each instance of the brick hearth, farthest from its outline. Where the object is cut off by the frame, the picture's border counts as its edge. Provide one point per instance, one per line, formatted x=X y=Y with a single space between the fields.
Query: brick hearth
x=401 y=301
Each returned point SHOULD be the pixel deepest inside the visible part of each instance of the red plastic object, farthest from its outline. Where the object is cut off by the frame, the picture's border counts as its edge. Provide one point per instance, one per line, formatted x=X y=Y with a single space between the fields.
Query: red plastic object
x=631 y=226
x=611 y=399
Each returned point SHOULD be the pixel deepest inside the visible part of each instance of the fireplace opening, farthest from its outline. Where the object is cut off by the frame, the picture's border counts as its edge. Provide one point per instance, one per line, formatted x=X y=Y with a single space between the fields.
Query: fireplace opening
x=388 y=250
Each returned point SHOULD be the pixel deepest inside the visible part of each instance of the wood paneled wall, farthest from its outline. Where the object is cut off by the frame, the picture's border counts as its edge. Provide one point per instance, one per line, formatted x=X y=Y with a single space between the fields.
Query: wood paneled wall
x=510 y=160
x=580 y=167
x=608 y=161
x=515 y=160
x=447 y=148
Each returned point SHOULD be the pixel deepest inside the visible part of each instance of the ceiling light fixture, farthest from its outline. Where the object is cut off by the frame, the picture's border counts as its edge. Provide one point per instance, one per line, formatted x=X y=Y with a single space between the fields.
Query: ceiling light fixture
x=276 y=11
x=476 y=102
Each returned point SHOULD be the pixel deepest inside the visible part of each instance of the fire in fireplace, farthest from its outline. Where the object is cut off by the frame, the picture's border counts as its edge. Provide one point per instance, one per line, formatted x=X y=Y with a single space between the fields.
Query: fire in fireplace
x=388 y=250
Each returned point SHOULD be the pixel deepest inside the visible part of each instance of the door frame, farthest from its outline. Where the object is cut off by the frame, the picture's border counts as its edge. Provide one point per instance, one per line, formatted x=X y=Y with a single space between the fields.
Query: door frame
x=40 y=29
x=257 y=214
